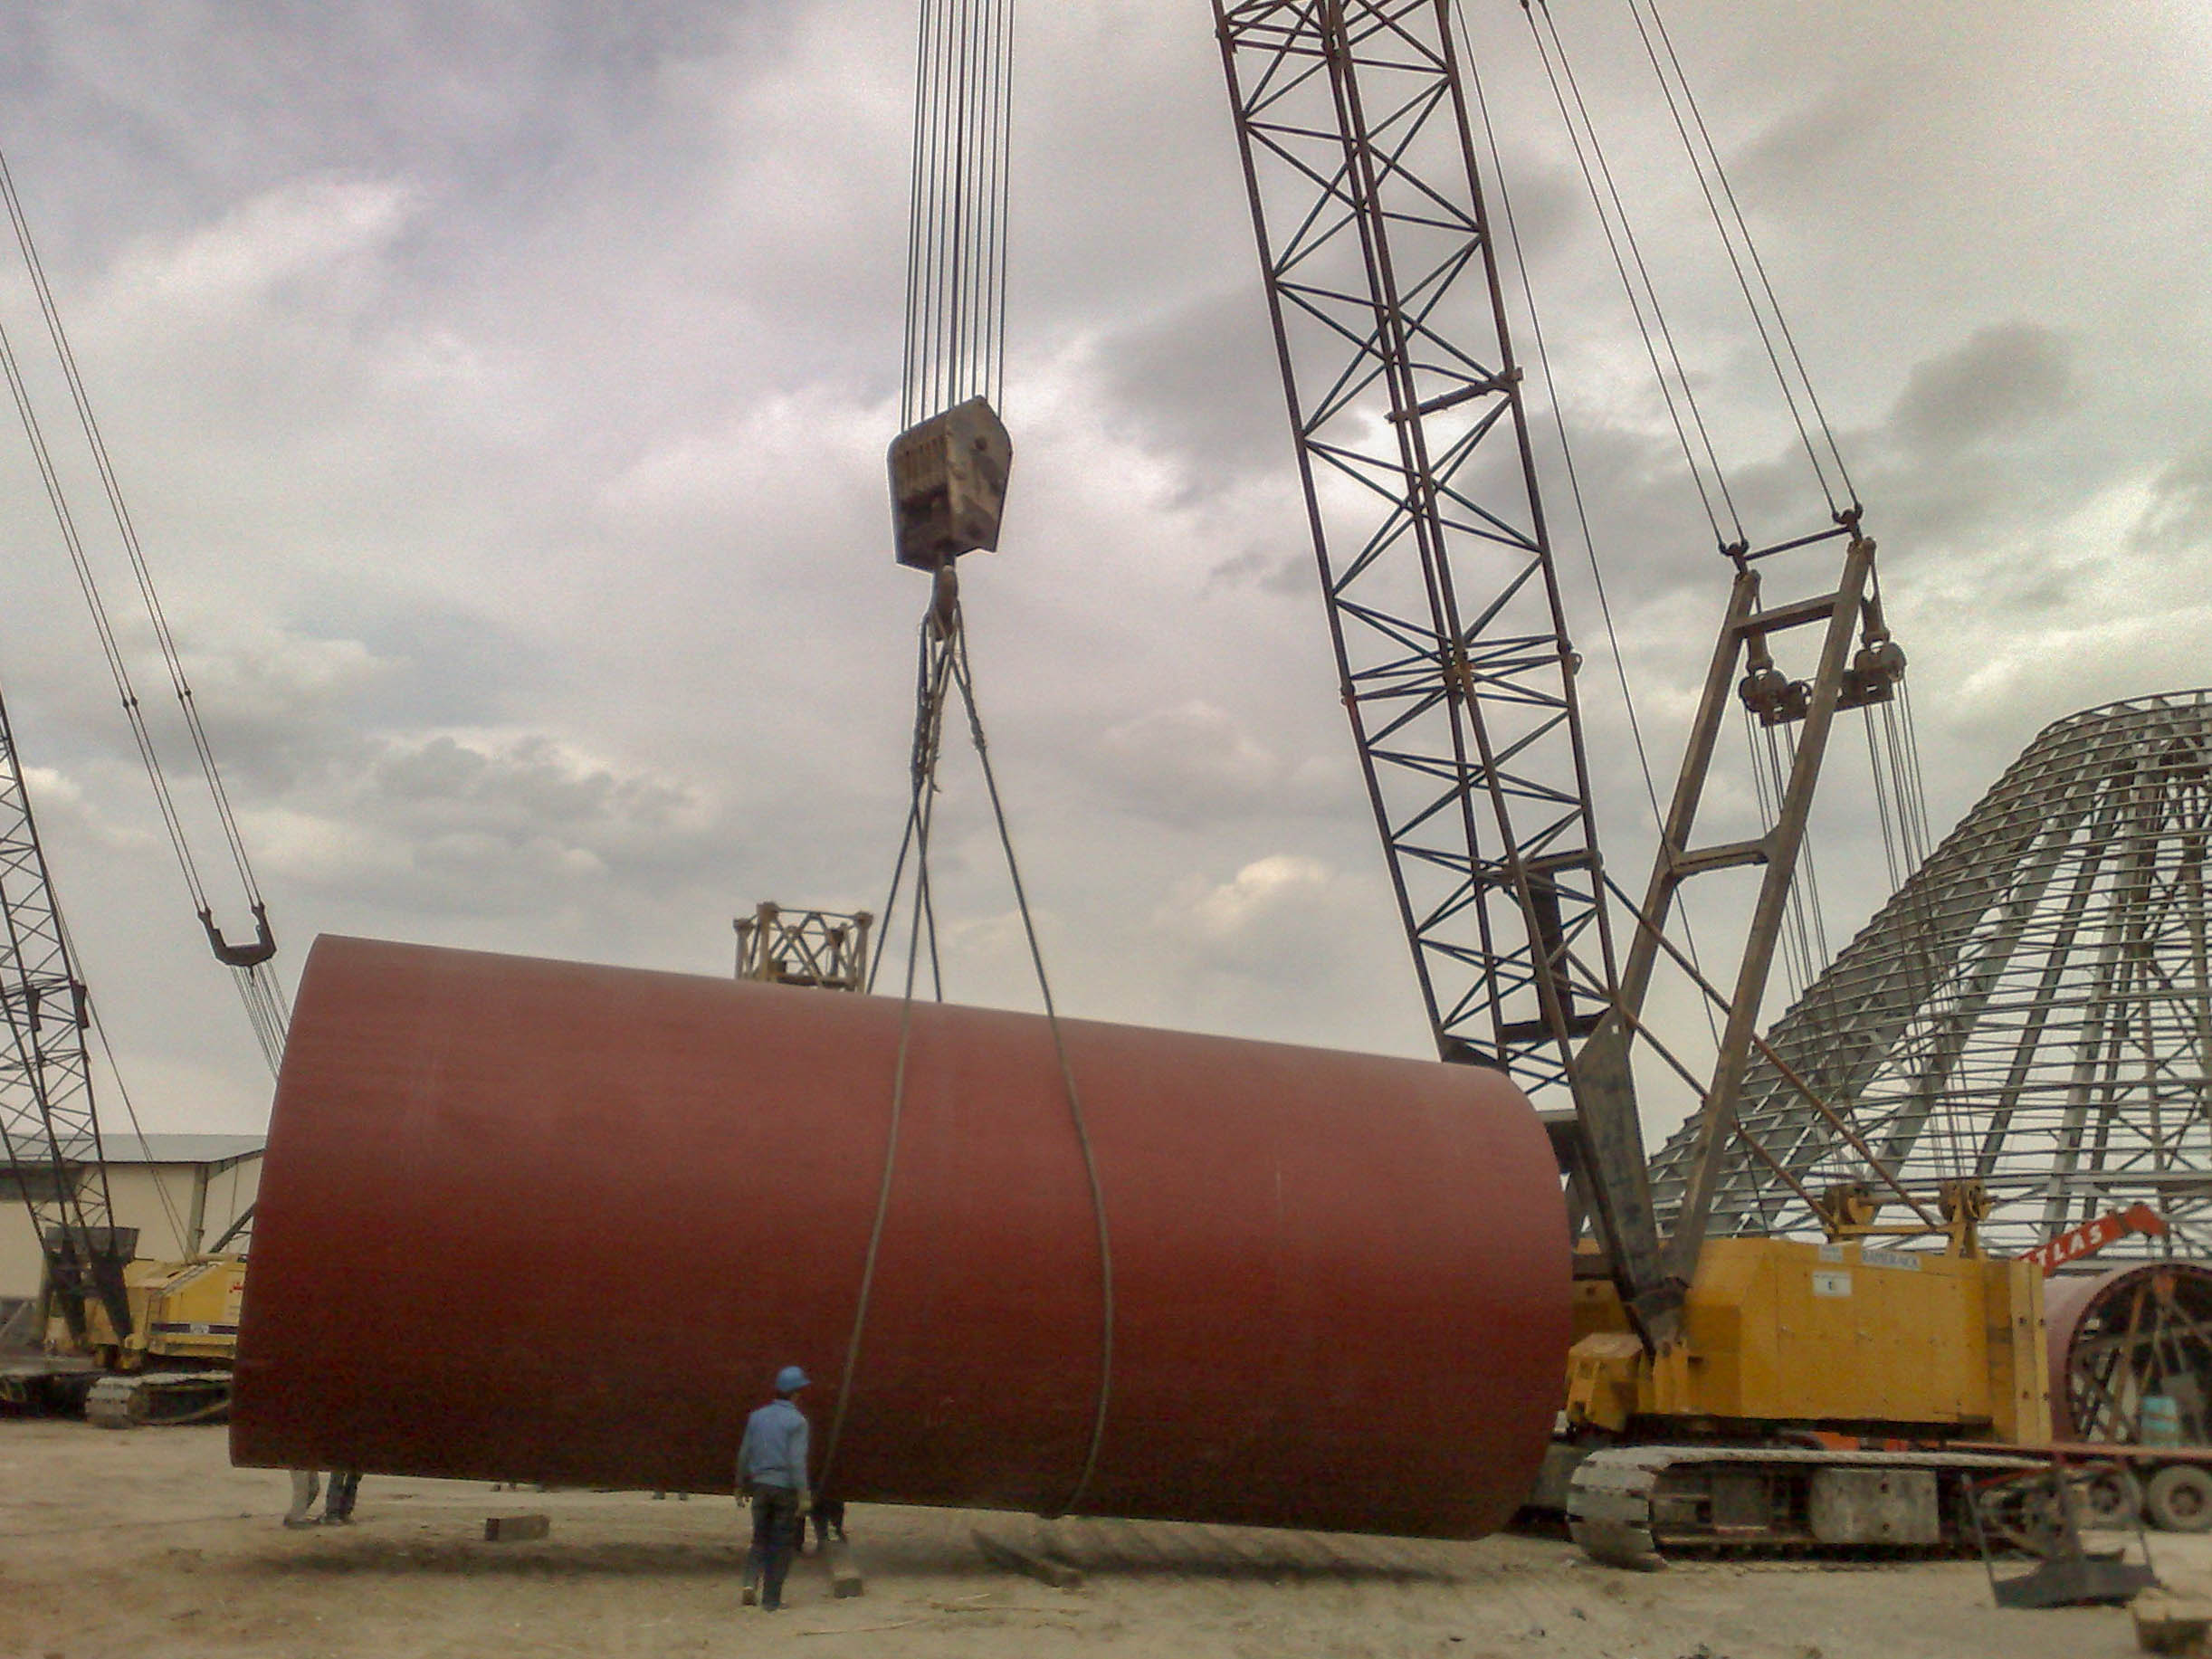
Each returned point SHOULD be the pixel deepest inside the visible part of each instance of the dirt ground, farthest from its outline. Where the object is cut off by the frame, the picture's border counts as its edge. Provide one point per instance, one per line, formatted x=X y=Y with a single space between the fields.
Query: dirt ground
x=149 y=1544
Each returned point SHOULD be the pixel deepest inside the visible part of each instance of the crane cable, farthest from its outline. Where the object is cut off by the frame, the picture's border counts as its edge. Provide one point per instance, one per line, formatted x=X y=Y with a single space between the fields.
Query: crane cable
x=1704 y=153
x=955 y=350
x=1107 y=1319
x=1680 y=398
x=263 y=995
x=1901 y=795
x=1752 y=280
x=1892 y=736
x=956 y=270
x=929 y=733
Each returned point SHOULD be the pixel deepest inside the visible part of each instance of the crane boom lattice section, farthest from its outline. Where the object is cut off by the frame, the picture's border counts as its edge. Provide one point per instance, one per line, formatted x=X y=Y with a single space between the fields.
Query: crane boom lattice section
x=49 y=1130
x=46 y=1090
x=1420 y=488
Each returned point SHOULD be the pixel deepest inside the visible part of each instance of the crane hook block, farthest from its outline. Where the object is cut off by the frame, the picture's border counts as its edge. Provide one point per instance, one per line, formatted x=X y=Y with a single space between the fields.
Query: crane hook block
x=948 y=484
x=241 y=956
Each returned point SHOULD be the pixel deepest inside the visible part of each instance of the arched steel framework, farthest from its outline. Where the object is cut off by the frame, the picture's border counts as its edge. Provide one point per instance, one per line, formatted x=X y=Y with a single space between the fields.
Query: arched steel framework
x=2032 y=1010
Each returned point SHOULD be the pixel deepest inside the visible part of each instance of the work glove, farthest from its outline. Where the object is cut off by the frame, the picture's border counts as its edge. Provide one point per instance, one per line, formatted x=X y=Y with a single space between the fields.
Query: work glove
x=807 y=1504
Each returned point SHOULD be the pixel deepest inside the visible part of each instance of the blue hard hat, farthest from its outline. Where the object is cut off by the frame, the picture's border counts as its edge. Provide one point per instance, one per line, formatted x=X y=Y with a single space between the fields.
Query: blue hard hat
x=790 y=1379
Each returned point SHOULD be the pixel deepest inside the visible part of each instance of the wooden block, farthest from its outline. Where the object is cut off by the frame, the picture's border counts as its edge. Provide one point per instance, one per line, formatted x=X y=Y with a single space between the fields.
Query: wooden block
x=1044 y=1568
x=515 y=1529
x=844 y=1578
x=2166 y=1625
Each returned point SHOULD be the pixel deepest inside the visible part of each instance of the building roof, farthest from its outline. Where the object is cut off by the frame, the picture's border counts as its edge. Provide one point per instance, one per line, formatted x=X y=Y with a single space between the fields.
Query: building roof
x=171 y=1149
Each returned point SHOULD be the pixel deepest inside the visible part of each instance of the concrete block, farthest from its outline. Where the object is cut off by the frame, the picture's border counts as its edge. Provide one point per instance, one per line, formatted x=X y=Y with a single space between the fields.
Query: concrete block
x=2164 y=1624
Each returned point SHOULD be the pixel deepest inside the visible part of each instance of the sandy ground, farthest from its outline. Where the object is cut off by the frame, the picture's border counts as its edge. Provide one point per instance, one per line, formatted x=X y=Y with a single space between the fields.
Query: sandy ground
x=149 y=1544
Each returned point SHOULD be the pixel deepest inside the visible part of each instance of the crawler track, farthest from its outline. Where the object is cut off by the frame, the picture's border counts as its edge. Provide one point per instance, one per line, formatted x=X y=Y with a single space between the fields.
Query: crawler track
x=155 y=1398
x=1632 y=1506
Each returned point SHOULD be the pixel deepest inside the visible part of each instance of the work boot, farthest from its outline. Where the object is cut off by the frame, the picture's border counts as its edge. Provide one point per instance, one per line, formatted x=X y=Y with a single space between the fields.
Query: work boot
x=749 y=1595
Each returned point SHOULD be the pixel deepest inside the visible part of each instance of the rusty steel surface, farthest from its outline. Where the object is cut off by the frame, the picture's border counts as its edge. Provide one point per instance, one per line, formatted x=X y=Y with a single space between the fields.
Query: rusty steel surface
x=525 y=1219
x=2117 y=1336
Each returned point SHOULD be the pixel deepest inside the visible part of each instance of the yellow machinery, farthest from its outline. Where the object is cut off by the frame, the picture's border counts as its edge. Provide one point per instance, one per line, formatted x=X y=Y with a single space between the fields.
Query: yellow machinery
x=1776 y=1330
x=172 y=1366
x=1814 y=1395
x=175 y=1365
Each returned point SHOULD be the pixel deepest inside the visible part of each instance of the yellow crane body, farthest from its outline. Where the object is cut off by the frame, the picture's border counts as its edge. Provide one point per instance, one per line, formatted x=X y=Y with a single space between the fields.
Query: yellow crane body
x=1846 y=1336
x=175 y=1366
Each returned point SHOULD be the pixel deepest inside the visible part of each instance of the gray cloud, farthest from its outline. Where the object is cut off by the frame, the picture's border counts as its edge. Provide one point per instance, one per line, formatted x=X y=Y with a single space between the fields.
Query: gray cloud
x=1194 y=764
x=2179 y=511
x=1202 y=382
x=503 y=397
x=1804 y=147
x=2005 y=378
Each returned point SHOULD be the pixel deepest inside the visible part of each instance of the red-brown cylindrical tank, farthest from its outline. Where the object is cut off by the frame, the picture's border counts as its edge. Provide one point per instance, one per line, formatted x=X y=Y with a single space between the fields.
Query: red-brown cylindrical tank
x=535 y=1220
x=2120 y=1336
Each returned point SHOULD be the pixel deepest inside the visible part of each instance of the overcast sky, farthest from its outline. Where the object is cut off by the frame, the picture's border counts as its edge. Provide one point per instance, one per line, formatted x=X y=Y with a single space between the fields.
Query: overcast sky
x=501 y=392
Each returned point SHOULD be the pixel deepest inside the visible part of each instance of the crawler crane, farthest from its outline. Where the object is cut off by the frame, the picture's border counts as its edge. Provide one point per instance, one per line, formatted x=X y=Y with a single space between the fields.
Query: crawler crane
x=1714 y=1380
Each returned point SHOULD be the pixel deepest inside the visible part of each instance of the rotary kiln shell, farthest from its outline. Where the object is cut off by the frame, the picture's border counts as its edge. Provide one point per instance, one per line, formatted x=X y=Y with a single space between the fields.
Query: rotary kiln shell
x=538 y=1220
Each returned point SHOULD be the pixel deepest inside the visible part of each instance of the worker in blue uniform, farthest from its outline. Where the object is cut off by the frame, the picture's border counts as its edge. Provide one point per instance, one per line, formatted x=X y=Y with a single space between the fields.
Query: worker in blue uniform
x=772 y=1476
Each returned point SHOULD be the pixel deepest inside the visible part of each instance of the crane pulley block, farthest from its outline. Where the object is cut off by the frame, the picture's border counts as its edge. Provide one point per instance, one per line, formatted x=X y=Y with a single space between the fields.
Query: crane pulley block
x=948 y=484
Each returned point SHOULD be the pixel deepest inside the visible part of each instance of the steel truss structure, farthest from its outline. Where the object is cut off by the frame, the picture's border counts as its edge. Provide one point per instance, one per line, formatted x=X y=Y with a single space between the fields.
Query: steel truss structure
x=827 y=948
x=1451 y=652
x=2033 y=1008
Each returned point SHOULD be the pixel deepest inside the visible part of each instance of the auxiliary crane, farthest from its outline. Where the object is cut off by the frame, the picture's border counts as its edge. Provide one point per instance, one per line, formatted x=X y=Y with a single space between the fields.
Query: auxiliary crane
x=132 y=1339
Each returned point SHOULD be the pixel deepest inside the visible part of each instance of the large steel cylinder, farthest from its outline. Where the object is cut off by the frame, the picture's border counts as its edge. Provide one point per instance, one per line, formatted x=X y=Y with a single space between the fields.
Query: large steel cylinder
x=536 y=1220
x=2119 y=1338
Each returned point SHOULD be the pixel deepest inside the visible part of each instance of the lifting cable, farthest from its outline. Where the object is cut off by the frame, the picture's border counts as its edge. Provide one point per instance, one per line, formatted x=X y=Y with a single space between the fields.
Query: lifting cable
x=929 y=732
x=1805 y=936
x=956 y=270
x=1704 y=153
x=1815 y=433
x=955 y=351
x=262 y=993
x=1894 y=750
x=1621 y=241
